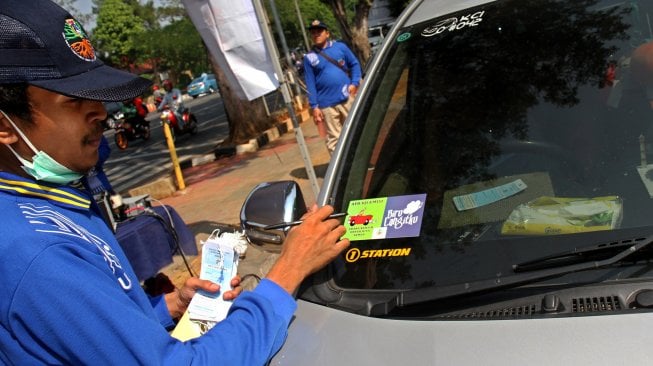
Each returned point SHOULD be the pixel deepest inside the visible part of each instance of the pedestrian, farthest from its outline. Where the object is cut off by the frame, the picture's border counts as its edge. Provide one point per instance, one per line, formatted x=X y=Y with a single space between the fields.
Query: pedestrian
x=332 y=75
x=68 y=294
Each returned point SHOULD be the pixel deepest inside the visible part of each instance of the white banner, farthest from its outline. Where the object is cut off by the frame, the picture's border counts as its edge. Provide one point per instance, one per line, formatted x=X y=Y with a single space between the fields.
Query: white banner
x=232 y=34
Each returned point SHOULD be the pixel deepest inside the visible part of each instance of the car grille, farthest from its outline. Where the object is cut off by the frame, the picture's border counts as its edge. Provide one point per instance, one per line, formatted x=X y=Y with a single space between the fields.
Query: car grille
x=515 y=312
x=595 y=304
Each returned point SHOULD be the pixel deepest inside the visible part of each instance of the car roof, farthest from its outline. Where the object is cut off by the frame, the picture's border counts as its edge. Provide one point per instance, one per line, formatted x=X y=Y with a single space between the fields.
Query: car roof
x=200 y=78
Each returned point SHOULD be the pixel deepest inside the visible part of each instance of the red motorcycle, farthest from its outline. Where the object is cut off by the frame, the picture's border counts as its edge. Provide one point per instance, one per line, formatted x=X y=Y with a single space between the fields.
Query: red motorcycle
x=189 y=124
x=128 y=129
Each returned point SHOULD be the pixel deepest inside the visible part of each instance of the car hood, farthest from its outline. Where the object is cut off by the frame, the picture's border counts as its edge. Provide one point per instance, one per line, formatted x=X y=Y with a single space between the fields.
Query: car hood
x=327 y=336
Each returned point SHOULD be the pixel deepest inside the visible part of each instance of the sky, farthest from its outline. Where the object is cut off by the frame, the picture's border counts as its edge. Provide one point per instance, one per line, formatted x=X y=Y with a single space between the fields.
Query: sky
x=84 y=6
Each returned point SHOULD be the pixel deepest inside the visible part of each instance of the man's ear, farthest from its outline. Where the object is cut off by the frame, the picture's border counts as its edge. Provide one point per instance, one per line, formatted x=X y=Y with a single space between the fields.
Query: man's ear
x=8 y=135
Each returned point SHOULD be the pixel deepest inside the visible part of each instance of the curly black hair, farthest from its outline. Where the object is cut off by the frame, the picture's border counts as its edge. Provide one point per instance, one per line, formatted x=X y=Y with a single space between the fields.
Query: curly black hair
x=14 y=101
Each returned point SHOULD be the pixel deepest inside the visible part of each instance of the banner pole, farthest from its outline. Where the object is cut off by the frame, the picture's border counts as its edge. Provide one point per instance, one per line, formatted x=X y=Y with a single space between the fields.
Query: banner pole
x=274 y=55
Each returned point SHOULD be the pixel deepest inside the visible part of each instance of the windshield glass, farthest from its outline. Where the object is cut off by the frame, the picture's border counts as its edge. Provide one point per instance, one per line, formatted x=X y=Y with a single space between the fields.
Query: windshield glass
x=527 y=125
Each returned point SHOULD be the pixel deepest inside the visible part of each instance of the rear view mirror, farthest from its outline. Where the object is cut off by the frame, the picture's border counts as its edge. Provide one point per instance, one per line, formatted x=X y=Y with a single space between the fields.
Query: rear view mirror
x=267 y=204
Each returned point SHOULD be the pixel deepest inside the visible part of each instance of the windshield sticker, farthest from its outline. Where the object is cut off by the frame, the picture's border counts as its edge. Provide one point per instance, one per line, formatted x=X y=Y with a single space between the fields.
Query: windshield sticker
x=385 y=217
x=454 y=24
x=403 y=37
x=355 y=254
x=491 y=195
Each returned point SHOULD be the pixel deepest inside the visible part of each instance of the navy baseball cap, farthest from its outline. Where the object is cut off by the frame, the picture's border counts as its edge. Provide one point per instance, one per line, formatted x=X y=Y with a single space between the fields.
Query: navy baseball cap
x=316 y=24
x=41 y=44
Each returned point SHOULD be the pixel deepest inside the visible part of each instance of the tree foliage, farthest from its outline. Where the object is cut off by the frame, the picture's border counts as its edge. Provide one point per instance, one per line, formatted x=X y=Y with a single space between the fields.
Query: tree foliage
x=347 y=19
x=116 y=32
x=175 y=48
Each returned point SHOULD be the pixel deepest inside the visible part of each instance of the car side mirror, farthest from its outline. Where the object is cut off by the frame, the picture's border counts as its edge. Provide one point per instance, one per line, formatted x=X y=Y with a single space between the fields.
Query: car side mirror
x=268 y=204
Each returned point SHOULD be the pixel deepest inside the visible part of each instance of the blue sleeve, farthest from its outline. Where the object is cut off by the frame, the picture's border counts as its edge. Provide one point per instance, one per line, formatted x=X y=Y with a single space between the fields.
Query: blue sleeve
x=161 y=310
x=309 y=78
x=353 y=65
x=85 y=317
x=260 y=319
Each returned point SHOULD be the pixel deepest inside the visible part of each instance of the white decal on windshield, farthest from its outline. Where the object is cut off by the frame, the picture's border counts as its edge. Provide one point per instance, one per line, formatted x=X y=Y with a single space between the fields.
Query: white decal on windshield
x=454 y=24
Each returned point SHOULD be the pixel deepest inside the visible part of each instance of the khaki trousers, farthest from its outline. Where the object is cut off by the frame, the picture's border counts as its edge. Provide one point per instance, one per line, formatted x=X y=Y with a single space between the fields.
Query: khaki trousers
x=335 y=117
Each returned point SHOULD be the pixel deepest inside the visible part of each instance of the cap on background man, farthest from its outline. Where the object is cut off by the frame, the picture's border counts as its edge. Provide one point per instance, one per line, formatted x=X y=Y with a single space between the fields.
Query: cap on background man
x=43 y=45
x=317 y=24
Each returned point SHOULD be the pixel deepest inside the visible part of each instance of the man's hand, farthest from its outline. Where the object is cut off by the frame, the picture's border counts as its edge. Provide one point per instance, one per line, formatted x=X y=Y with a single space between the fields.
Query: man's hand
x=308 y=247
x=318 y=116
x=353 y=89
x=179 y=299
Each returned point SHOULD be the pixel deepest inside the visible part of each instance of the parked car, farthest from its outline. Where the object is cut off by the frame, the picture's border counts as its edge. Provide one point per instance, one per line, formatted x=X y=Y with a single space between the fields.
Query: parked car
x=376 y=35
x=202 y=85
x=518 y=137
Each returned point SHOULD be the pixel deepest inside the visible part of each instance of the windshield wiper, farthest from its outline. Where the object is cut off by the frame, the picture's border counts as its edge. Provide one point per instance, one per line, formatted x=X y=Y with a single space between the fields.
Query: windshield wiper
x=577 y=255
x=442 y=292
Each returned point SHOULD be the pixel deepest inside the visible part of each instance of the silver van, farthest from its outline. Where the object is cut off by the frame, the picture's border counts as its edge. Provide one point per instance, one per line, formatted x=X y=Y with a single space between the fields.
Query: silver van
x=497 y=173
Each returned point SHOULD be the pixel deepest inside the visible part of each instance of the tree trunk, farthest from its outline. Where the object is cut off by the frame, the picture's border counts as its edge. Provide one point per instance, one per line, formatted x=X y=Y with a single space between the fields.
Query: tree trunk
x=355 y=34
x=246 y=119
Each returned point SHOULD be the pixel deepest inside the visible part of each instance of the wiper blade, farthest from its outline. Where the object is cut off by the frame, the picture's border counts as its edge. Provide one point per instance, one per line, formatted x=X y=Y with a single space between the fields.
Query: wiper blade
x=520 y=279
x=577 y=255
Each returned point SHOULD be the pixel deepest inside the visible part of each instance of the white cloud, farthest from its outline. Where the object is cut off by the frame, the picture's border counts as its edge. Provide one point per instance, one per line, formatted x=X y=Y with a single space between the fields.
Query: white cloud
x=412 y=207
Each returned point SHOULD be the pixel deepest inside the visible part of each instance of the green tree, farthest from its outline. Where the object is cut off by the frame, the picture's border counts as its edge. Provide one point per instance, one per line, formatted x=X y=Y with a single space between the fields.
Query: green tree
x=116 y=32
x=347 y=19
x=176 y=48
x=354 y=30
x=290 y=22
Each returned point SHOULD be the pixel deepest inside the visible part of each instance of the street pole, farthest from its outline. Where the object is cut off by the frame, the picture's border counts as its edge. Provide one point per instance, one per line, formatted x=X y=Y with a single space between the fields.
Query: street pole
x=283 y=85
x=301 y=24
x=286 y=51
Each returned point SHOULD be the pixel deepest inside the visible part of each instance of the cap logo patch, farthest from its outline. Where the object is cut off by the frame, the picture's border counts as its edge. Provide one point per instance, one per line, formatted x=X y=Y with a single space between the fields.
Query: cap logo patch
x=77 y=41
x=315 y=22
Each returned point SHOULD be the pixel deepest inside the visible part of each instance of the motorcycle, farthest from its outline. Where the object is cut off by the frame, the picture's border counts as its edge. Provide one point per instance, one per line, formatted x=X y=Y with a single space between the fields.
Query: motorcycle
x=189 y=121
x=129 y=129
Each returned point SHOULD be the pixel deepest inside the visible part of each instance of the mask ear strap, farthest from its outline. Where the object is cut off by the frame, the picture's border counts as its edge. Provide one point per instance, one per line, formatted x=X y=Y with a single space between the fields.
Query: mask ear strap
x=20 y=133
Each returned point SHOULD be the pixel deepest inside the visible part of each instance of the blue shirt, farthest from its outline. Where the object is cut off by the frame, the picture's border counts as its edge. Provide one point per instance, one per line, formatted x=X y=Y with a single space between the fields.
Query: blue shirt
x=328 y=84
x=69 y=296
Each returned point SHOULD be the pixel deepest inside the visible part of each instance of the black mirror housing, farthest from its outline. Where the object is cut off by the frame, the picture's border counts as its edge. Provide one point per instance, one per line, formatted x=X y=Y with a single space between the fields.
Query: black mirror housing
x=267 y=204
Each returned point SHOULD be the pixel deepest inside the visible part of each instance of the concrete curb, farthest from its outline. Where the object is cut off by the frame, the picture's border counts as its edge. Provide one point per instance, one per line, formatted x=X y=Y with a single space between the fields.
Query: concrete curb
x=166 y=187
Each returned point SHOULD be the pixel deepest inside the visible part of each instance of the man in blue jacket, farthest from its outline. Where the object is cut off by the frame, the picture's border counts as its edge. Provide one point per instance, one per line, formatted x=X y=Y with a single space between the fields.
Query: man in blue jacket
x=68 y=294
x=332 y=75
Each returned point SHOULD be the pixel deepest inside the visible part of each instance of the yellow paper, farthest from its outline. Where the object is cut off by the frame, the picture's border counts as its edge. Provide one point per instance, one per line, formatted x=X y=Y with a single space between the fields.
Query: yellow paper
x=556 y=215
x=186 y=329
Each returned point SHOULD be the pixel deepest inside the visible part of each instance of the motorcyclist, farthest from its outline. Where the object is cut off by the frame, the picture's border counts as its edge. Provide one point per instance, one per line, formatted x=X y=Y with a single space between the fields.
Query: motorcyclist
x=134 y=113
x=174 y=101
x=157 y=94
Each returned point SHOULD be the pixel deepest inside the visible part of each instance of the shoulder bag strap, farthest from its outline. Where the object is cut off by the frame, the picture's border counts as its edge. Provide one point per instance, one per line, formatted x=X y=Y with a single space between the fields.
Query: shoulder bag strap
x=330 y=59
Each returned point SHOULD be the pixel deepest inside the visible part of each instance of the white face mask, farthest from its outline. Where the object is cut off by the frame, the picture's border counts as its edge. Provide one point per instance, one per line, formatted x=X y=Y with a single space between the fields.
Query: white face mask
x=43 y=167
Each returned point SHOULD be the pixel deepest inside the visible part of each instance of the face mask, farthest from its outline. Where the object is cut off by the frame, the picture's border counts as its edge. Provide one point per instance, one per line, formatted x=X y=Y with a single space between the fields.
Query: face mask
x=43 y=167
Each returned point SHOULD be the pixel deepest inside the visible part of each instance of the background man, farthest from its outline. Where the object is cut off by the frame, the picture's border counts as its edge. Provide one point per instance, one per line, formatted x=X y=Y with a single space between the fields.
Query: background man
x=332 y=75
x=69 y=295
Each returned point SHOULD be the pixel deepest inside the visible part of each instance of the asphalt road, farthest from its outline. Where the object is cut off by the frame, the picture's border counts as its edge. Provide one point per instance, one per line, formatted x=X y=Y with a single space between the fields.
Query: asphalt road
x=144 y=161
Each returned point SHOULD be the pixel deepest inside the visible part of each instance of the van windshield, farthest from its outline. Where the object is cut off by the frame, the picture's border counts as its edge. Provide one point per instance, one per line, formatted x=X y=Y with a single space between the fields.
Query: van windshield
x=527 y=125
